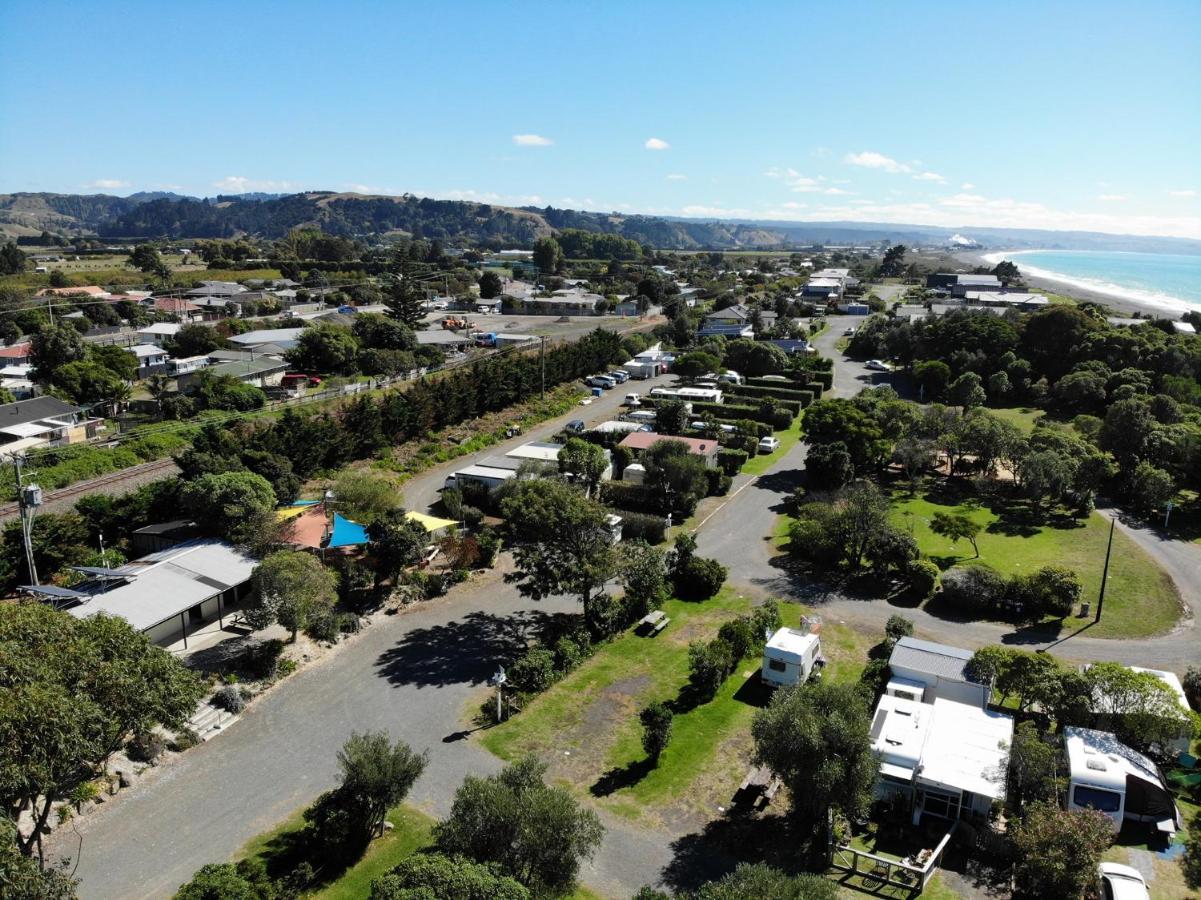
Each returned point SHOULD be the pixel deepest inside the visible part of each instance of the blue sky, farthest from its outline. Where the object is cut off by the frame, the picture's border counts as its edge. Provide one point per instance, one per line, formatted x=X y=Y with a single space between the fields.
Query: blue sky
x=1057 y=115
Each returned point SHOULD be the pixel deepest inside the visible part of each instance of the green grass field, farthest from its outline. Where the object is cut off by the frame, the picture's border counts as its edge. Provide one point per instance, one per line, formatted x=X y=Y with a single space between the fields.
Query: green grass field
x=1023 y=417
x=1140 y=601
x=587 y=729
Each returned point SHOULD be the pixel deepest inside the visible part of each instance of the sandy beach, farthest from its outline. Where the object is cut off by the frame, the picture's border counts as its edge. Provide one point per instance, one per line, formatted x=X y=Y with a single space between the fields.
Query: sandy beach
x=1121 y=305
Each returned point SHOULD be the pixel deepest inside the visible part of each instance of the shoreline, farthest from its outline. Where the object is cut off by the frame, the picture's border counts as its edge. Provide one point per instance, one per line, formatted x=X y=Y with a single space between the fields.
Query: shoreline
x=1116 y=299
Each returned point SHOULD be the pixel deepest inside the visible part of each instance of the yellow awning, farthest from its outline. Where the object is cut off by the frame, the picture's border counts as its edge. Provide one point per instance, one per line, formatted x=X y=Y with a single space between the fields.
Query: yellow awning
x=430 y=523
x=291 y=512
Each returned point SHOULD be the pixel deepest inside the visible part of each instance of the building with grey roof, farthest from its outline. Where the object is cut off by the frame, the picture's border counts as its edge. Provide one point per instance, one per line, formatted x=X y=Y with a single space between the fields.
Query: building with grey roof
x=939 y=670
x=282 y=337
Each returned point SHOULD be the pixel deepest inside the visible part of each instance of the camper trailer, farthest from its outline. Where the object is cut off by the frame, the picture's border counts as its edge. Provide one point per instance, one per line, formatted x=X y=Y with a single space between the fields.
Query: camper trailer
x=1108 y=776
x=790 y=658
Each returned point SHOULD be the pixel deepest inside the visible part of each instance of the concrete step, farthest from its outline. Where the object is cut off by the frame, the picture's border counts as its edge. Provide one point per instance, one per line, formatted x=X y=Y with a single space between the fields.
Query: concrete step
x=208 y=721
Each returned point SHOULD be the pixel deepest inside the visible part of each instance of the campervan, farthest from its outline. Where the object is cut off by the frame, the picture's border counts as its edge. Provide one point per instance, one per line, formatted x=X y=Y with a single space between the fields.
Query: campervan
x=1111 y=778
x=790 y=657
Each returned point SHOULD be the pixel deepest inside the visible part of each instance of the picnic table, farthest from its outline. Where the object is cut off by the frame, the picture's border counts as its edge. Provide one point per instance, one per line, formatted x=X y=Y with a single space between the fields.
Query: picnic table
x=762 y=783
x=654 y=622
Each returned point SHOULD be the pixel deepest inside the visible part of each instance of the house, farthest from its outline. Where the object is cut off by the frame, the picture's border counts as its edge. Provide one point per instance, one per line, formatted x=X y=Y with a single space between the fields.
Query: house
x=166 y=595
x=641 y=441
x=1006 y=299
x=18 y=381
x=939 y=670
x=852 y=308
x=187 y=364
x=43 y=421
x=942 y=759
x=286 y=338
x=151 y=359
x=958 y=284
x=224 y=289
x=90 y=290
x=17 y=354
x=1184 y=328
x=561 y=303
x=261 y=372
x=1106 y=775
x=159 y=331
x=731 y=316
x=186 y=310
x=540 y=451
x=789 y=657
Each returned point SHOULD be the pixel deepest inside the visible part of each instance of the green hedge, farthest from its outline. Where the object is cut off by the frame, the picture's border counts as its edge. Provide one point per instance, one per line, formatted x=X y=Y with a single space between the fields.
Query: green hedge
x=776 y=392
x=732 y=461
x=644 y=526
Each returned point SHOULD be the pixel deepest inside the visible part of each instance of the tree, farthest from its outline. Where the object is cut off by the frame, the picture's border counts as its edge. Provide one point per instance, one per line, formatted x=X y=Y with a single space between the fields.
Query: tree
x=934 y=376
x=427 y=876
x=1045 y=474
x=227 y=881
x=893 y=264
x=193 y=340
x=328 y=349
x=565 y=545
x=709 y=665
x=816 y=737
x=24 y=878
x=585 y=461
x=376 y=775
x=1151 y=487
x=1033 y=767
x=1137 y=706
x=861 y=514
x=755 y=357
x=147 y=259
x=71 y=692
x=966 y=391
x=12 y=259
x=656 y=729
x=840 y=420
x=364 y=495
x=548 y=255
x=490 y=285
x=643 y=575
x=1057 y=851
x=52 y=347
x=380 y=333
x=1007 y=272
x=829 y=466
x=158 y=386
x=671 y=417
x=696 y=363
x=955 y=527
x=675 y=476
x=396 y=542
x=760 y=881
x=1050 y=591
x=233 y=505
x=405 y=300
x=292 y=588
x=87 y=382
x=535 y=833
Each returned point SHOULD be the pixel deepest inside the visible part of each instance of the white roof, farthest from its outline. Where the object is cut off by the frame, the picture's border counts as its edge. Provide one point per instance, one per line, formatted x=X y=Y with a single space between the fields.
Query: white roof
x=1168 y=678
x=944 y=744
x=1099 y=758
x=143 y=350
x=266 y=336
x=485 y=472
x=790 y=645
x=536 y=450
x=167 y=583
x=169 y=328
x=27 y=429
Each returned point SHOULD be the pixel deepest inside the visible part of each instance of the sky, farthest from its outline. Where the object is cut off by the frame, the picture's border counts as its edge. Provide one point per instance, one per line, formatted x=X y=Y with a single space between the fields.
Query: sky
x=1059 y=115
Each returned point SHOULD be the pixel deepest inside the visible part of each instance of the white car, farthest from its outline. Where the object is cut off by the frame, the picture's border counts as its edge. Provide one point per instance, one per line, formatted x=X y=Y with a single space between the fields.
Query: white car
x=769 y=444
x=848 y=332
x=1120 y=882
x=632 y=400
x=877 y=365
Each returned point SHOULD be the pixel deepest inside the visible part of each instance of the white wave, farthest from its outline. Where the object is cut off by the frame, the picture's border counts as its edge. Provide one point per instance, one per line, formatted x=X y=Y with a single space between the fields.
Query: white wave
x=1156 y=300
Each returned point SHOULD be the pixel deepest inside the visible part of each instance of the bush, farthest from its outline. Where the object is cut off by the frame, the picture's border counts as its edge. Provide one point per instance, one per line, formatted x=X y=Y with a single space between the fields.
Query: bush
x=740 y=635
x=1192 y=687
x=262 y=661
x=1051 y=591
x=732 y=461
x=185 y=739
x=145 y=746
x=229 y=698
x=489 y=542
x=570 y=651
x=972 y=590
x=700 y=579
x=922 y=576
x=324 y=628
x=719 y=482
x=534 y=672
x=634 y=497
x=708 y=667
x=473 y=516
x=642 y=526
x=824 y=379
x=656 y=729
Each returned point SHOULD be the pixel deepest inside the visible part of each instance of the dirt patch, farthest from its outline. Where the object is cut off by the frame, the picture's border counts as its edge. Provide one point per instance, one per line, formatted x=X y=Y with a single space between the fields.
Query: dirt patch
x=583 y=759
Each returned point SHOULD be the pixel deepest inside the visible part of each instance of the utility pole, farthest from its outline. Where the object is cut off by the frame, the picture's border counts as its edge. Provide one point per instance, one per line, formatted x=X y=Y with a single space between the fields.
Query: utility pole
x=29 y=498
x=1105 y=573
x=542 y=392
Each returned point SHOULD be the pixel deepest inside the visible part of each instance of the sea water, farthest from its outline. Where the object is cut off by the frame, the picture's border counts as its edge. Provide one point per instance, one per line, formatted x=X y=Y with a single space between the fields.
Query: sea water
x=1165 y=280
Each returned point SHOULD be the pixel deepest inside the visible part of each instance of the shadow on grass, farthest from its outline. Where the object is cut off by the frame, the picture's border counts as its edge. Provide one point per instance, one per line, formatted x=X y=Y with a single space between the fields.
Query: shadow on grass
x=620 y=777
x=754 y=692
x=288 y=850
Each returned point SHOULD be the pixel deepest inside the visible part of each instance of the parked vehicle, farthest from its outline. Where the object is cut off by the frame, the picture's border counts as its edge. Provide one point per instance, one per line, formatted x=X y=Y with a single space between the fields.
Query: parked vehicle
x=299 y=379
x=729 y=376
x=723 y=427
x=877 y=365
x=644 y=416
x=1119 y=882
x=348 y=310
x=576 y=426
x=620 y=376
x=769 y=444
x=601 y=381
x=632 y=400
x=848 y=332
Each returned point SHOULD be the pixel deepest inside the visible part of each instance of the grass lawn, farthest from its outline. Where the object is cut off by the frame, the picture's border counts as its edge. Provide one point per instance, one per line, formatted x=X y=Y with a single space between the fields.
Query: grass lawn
x=586 y=726
x=788 y=439
x=1023 y=417
x=1140 y=601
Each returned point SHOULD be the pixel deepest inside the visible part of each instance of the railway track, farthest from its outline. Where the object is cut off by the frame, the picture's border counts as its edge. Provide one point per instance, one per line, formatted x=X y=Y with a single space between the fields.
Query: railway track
x=95 y=485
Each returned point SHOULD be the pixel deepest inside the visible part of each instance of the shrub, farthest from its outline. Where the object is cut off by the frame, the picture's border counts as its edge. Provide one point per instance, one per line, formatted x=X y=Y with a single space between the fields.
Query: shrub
x=700 y=579
x=765 y=619
x=897 y=627
x=719 y=482
x=731 y=461
x=185 y=739
x=825 y=379
x=324 y=628
x=571 y=651
x=145 y=746
x=229 y=698
x=739 y=634
x=473 y=516
x=534 y=672
x=489 y=542
x=1051 y=591
x=634 y=497
x=642 y=526
x=656 y=729
x=972 y=590
x=708 y=666
x=262 y=660
x=1192 y=687
x=922 y=576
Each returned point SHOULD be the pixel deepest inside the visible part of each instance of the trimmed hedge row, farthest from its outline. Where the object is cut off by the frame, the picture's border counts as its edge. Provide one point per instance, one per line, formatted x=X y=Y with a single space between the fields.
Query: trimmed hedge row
x=775 y=393
x=640 y=525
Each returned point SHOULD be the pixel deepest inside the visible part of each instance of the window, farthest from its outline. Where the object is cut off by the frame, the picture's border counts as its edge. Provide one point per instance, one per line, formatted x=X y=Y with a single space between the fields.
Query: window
x=1095 y=798
x=777 y=665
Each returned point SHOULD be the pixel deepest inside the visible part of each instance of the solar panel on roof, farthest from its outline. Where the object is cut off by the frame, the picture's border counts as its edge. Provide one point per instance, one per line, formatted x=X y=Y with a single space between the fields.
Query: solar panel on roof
x=102 y=572
x=49 y=590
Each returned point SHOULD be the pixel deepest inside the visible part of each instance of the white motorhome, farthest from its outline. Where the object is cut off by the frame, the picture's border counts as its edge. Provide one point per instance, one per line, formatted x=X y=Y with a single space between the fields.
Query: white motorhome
x=1110 y=777
x=790 y=657
x=488 y=476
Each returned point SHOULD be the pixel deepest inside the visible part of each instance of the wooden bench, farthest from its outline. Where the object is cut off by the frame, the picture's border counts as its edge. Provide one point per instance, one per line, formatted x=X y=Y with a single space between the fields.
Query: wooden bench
x=652 y=623
x=662 y=624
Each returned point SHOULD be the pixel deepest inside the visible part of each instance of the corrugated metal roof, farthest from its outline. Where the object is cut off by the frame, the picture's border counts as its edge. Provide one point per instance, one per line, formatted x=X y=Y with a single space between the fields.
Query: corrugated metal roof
x=169 y=582
x=931 y=658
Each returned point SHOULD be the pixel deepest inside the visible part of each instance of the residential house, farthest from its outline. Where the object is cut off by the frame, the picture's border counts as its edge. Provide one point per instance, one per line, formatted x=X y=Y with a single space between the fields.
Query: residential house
x=217 y=289
x=159 y=331
x=151 y=359
x=261 y=371
x=561 y=303
x=287 y=338
x=641 y=441
x=17 y=354
x=958 y=284
x=43 y=421
x=1006 y=299
x=184 y=310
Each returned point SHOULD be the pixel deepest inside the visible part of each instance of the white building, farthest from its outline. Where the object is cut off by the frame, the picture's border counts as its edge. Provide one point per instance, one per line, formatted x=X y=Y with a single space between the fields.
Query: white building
x=790 y=657
x=939 y=670
x=1108 y=776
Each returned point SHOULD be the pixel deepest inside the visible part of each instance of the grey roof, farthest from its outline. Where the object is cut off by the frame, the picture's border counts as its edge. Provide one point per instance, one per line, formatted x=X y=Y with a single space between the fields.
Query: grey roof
x=931 y=658
x=267 y=336
x=435 y=338
x=167 y=583
x=977 y=279
x=243 y=368
x=35 y=408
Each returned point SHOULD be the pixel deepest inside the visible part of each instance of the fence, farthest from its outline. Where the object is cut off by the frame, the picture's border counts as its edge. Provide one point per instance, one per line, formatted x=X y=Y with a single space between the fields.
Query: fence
x=880 y=871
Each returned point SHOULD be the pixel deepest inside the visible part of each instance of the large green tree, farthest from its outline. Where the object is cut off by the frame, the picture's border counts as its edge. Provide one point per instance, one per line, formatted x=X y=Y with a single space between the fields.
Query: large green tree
x=548 y=255
x=233 y=505
x=585 y=461
x=54 y=346
x=377 y=773
x=1057 y=851
x=396 y=542
x=328 y=349
x=436 y=875
x=71 y=692
x=535 y=833
x=292 y=588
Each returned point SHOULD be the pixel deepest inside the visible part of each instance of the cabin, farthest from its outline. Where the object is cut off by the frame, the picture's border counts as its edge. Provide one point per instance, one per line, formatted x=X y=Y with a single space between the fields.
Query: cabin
x=641 y=441
x=926 y=671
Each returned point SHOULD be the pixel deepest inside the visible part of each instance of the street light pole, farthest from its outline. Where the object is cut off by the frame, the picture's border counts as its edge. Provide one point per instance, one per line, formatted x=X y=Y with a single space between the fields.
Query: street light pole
x=1105 y=573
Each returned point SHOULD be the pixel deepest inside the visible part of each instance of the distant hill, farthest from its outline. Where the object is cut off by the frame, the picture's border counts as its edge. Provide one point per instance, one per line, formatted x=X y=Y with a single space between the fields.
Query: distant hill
x=166 y=215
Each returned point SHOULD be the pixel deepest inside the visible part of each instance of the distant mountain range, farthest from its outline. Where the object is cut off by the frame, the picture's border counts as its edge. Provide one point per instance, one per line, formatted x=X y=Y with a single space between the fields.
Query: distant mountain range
x=160 y=214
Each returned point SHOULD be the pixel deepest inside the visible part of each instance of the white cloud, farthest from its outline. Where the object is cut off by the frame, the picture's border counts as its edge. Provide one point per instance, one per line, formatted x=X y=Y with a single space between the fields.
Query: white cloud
x=777 y=172
x=929 y=176
x=656 y=144
x=716 y=212
x=869 y=159
x=474 y=196
x=967 y=186
x=107 y=184
x=240 y=184
x=1185 y=193
x=676 y=176
x=834 y=192
x=1111 y=198
x=531 y=140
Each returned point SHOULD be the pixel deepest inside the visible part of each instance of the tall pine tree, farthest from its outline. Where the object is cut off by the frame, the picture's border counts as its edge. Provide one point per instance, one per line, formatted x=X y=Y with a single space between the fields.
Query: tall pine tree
x=405 y=297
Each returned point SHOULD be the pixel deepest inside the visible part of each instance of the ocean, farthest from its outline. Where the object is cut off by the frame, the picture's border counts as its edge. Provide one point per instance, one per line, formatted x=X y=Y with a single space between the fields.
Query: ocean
x=1168 y=281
